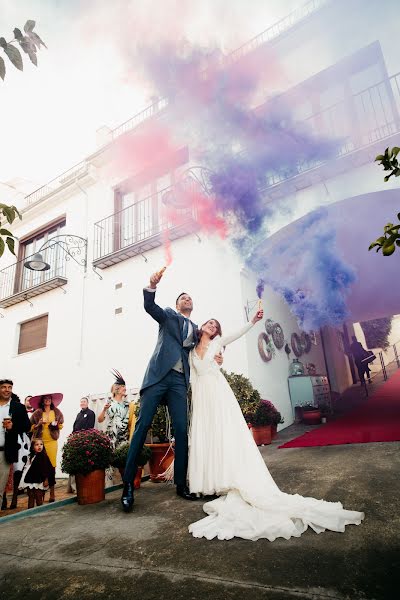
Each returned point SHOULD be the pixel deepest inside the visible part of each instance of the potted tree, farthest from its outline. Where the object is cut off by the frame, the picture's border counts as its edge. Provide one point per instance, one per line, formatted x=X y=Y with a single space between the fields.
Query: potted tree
x=119 y=461
x=86 y=454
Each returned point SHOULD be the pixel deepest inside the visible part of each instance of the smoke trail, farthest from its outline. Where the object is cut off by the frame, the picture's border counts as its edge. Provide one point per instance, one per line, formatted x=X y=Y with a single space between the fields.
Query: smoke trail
x=308 y=271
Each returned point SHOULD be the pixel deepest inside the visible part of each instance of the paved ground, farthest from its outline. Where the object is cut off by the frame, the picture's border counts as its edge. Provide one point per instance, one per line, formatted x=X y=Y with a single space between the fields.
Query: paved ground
x=98 y=552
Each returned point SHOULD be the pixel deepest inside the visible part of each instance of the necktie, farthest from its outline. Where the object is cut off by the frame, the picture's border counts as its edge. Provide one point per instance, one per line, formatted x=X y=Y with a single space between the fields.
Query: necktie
x=185 y=327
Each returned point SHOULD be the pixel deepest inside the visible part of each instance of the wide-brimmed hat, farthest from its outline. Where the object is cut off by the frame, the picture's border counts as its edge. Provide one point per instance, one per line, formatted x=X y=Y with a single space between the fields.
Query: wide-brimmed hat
x=55 y=398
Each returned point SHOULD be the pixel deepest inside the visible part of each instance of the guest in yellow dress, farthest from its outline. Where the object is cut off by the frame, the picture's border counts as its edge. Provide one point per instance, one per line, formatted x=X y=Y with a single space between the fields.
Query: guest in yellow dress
x=47 y=420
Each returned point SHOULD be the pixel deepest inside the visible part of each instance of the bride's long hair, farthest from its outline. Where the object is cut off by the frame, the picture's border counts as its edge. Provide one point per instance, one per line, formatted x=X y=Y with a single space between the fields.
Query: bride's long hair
x=218 y=332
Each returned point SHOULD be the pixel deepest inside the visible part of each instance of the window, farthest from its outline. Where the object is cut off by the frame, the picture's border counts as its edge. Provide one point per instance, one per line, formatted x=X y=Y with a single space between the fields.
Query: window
x=25 y=278
x=33 y=334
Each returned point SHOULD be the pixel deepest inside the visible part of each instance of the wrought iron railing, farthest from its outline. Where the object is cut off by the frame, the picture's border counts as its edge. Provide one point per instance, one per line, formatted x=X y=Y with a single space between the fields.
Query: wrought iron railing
x=16 y=278
x=72 y=173
x=385 y=364
x=292 y=19
x=356 y=122
x=145 y=219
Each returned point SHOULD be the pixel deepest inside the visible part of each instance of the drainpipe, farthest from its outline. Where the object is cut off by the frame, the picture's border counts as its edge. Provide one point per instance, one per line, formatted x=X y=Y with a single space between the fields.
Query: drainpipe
x=84 y=276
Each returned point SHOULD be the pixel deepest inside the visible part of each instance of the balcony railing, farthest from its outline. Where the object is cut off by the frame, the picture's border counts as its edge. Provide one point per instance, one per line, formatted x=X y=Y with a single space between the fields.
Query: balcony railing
x=273 y=32
x=18 y=283
x=73 y=173
x=139 y=228
x=356 y=122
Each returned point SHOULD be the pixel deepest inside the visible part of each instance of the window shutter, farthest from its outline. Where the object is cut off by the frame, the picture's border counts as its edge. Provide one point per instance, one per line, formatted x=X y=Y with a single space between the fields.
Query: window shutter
x=33 y=334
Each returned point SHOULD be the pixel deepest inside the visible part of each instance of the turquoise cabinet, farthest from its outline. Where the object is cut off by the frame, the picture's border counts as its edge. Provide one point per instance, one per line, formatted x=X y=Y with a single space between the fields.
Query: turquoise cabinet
x=309 y=389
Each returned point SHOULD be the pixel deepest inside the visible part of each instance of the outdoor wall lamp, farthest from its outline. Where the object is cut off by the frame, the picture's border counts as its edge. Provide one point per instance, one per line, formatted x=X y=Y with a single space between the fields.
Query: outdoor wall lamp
x=74 y=246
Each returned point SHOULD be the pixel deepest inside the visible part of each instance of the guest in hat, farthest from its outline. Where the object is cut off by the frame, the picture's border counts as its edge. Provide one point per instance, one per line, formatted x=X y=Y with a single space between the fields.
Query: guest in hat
x=47 y=420
x=117 y=412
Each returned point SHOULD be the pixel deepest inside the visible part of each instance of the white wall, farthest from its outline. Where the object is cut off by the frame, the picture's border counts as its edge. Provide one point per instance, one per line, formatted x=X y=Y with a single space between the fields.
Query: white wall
x=271 y=378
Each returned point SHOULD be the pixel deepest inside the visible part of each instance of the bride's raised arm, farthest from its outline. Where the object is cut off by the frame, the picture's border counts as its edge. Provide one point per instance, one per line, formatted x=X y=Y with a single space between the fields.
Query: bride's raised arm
x=228 y=339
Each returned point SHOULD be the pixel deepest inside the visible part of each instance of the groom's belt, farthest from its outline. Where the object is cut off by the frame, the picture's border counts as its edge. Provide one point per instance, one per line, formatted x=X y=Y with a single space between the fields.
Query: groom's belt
x=178 y=366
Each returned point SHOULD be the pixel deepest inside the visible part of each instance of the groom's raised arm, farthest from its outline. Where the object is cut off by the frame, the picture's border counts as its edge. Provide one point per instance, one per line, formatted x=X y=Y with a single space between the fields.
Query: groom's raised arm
x=150 y=306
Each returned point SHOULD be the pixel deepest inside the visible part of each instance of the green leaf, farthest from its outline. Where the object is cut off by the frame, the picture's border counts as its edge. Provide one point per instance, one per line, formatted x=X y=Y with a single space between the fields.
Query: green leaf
x=2 y=246
x=15 y=56
x=11 y=245
x=5 y=232
x=398 y=243
x=36 y=39
x=388 y=250
x=380 y=157
x=373 y=245
x=395 y=150
x=29 y=25
x=18 y=34
x=387 y=178
x=2 y=68
x=3 y=43
x=398 y=216
x=9 y=214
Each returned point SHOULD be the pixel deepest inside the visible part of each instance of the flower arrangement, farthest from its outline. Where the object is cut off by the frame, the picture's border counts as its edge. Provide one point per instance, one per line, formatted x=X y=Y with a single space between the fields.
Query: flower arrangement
x=86 y=451
x=121 y=454
x=263 y=413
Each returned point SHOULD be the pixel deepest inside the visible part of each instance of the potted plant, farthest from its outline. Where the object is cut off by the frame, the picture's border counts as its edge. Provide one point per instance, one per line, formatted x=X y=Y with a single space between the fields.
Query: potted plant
x=245 y=393
x=277 y=419
x=261 y=418
x=86 y=454
x=161 y=447
x=311 y=415
x=119 y=461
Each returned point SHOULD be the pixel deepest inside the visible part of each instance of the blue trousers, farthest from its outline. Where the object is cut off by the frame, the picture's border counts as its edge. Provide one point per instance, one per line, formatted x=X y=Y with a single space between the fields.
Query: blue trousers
x=173 y=391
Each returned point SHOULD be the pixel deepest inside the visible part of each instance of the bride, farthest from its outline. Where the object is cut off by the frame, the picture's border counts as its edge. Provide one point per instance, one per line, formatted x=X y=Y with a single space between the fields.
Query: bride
x=224 y=460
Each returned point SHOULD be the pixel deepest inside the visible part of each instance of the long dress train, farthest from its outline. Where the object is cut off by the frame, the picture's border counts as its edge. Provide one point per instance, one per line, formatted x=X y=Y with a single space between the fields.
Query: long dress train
x=224 y=460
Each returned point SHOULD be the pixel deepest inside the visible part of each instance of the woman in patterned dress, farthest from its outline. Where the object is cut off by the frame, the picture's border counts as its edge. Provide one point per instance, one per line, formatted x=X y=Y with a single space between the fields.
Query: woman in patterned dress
x=116 y=412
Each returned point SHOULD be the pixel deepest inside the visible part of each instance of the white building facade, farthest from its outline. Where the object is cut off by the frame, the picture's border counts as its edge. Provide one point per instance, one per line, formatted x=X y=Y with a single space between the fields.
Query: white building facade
x=65 y=328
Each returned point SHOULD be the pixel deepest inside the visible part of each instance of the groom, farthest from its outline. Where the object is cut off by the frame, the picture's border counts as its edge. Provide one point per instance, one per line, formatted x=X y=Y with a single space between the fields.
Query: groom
x=166 y=381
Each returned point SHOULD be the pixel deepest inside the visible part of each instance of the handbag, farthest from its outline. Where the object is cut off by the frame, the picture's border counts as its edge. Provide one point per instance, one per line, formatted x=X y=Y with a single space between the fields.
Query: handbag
x=370 y=357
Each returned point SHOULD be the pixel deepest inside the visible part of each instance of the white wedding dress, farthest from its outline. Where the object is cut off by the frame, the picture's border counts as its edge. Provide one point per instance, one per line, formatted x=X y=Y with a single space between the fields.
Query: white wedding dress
x=224 y=460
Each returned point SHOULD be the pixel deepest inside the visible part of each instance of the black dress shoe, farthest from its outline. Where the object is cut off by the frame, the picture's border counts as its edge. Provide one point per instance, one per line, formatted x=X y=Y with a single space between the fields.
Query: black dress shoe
x=127 y=499
x=183 y=492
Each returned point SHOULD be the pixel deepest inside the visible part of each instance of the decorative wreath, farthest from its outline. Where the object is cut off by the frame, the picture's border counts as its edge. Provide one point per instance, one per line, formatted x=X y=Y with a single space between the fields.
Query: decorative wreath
x=305 y=342
x=265 y=353
x=296 y=345
x=277 y=336
x=269 y=326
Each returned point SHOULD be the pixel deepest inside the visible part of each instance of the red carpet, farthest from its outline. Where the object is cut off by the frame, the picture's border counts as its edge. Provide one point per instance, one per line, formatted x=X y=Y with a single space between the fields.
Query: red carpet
x=378 y=420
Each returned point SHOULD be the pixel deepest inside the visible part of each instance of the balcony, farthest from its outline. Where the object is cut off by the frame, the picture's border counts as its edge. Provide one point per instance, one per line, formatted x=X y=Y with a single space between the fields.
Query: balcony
x=74 y=173
x=139 y=228
x=18 y=284
x=364 y=123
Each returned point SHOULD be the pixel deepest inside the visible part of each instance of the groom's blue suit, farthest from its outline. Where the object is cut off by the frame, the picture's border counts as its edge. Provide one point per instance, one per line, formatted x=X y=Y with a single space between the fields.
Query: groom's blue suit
x=163 y=384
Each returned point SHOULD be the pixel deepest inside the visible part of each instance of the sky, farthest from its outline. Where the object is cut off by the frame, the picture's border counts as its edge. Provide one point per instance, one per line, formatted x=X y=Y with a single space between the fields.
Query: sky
x=88 y=76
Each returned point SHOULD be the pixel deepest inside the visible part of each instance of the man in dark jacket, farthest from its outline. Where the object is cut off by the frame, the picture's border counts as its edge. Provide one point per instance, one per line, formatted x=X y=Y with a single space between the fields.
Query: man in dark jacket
x=166 y=381
x=13 y=422
x=85 y=418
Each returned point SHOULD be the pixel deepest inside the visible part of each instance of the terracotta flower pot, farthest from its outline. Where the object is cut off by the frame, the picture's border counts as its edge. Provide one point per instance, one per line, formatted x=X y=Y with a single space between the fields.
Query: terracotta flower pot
x=138 y=477
x=274 y=431
x=261 y=434
x=90 y=487
x=312 y=417
x=161 y=458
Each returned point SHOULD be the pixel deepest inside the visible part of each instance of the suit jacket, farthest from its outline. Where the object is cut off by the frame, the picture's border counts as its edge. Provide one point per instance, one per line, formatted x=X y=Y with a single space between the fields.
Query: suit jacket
x=21 y=424
x=169 y=347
